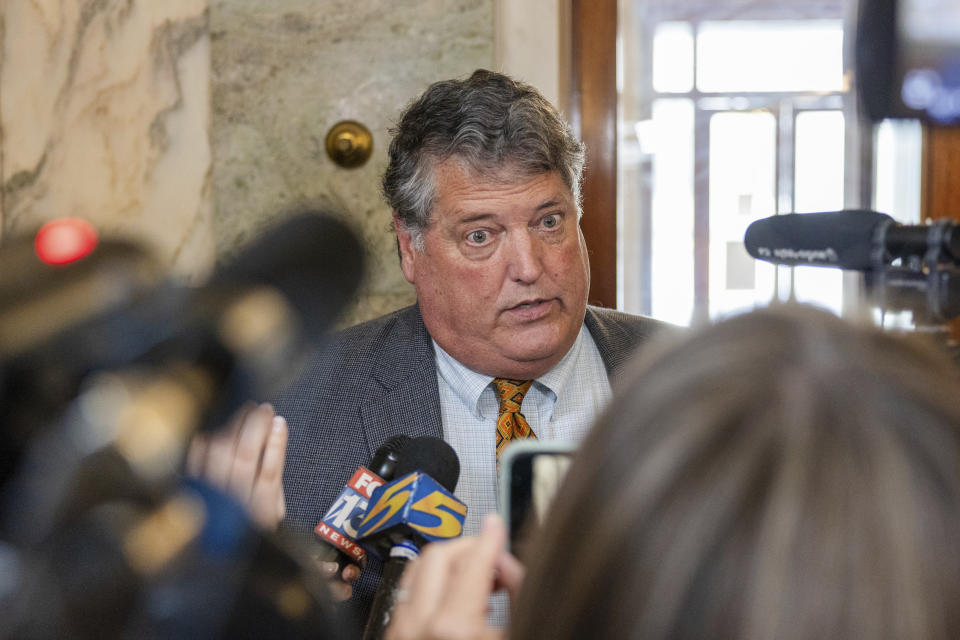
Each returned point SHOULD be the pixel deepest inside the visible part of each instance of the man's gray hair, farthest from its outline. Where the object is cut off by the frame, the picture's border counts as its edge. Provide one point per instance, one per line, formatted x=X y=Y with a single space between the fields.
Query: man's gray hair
x=488 y=122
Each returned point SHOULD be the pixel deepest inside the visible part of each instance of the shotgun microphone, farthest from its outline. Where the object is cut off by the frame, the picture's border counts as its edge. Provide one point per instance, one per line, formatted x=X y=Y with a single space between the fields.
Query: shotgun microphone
x=855 y=239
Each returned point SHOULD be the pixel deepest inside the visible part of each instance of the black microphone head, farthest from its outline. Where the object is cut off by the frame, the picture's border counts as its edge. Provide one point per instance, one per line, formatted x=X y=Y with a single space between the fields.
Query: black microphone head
x=384 y=461
x=313 y=259
x=42 y=302
x=433 y=457
x=875 y=57
x=271 y=306
x=841 y=239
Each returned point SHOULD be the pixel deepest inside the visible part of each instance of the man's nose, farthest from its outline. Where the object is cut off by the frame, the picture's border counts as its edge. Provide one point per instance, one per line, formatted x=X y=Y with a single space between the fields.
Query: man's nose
x=526 y=257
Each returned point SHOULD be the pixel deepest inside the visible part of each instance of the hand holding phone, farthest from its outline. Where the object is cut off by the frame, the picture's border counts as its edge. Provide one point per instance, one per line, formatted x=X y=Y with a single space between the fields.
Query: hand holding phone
x=531 y=471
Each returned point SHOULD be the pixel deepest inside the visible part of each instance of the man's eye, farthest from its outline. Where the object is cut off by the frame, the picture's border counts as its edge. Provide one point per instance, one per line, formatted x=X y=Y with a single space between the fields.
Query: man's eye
x=551 y=221
x=478 y=237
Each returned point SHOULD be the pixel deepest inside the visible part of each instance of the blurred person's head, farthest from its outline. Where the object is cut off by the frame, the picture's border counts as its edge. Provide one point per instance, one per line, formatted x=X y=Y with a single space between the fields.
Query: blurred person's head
x=783 y=474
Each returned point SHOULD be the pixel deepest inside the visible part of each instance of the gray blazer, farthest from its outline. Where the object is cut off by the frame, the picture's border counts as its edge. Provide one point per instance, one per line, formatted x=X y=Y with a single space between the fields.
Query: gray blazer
x=377 y=380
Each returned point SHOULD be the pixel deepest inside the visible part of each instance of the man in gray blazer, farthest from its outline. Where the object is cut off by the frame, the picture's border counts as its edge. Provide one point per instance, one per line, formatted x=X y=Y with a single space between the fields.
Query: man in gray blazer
x=484 y=182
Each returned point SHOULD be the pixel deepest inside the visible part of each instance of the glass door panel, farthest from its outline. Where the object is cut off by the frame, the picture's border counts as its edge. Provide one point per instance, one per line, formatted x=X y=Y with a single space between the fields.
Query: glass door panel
x=742 y=165
x=672 y=258
x=818 y=186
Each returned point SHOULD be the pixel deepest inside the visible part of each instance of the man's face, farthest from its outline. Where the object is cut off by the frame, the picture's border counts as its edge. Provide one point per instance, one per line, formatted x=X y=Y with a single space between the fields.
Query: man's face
x=503 y=276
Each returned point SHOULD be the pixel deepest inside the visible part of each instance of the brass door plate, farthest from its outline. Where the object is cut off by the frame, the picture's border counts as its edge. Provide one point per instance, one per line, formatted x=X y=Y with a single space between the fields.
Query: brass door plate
x=349 y=144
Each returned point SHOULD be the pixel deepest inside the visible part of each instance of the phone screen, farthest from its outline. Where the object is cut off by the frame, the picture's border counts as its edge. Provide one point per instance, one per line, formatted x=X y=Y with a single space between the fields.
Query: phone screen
x=530 y=474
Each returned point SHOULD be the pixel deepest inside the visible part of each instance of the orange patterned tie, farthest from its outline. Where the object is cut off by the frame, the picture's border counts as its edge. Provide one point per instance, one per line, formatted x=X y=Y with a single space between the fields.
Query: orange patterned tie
x=510 y=422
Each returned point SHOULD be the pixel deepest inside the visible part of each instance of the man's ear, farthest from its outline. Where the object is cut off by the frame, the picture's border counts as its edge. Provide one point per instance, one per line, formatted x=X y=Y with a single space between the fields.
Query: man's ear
x=406 y=249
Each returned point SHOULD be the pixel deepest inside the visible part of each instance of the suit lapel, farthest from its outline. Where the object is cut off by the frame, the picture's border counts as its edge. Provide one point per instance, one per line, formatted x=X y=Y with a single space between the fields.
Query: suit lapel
x=608 y=353
x=618 y=335
x=615 y=342
x=402 y=398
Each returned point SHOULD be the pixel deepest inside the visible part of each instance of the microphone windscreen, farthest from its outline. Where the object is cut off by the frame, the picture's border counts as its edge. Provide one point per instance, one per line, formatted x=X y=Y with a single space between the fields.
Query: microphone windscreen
x=40 y=301
x=432 y=456
x=840 y=239
x=313 y=259
x=387 y=456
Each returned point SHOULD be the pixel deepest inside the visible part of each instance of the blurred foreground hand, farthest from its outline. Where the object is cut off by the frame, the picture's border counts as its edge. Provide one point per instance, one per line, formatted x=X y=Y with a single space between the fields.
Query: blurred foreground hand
x=341 y=586
x=443 y=594
x=245 y=459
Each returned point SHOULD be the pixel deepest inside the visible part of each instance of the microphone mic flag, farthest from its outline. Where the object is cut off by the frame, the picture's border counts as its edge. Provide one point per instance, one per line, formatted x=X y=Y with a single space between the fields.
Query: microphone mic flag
x=416 y=508
x=338 y=528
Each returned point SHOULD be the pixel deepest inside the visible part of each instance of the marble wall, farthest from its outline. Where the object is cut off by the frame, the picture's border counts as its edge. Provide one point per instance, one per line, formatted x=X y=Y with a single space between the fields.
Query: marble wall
x=104 y=114
x=192 y=124
x=285 y=71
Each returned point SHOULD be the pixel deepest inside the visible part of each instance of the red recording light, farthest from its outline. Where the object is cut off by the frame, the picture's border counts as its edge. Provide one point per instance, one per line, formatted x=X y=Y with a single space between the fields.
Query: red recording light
x=65 y=240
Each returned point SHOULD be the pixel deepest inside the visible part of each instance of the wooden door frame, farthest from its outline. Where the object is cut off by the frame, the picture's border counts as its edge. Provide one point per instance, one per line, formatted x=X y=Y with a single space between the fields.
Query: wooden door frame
x=940 y=181
x=592 y=108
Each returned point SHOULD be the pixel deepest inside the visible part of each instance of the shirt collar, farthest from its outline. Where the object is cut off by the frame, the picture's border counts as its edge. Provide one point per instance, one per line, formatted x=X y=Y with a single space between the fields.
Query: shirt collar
x=468 y=385
x=556 y=380
x=465 y=383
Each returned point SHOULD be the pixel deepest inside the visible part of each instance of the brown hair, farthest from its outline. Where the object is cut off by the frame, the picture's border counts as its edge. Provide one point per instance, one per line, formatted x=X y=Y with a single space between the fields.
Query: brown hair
x=490 y=122
x=783 y=474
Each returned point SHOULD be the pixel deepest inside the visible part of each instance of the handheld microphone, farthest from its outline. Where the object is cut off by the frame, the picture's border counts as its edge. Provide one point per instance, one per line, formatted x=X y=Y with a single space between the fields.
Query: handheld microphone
x=413 y=510
x=855 y=239
x=338 y=528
